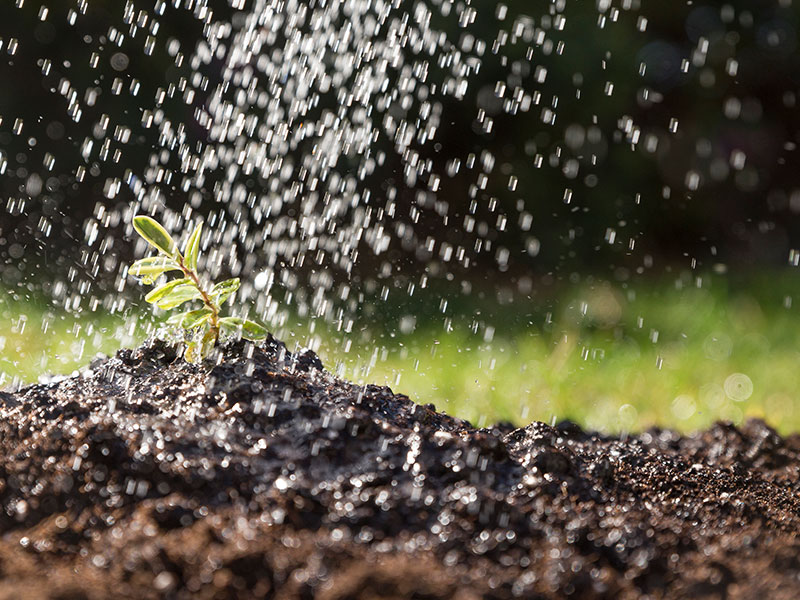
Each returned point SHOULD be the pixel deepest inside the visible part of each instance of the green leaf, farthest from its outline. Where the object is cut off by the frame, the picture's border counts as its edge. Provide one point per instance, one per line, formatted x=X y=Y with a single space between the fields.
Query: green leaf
x=231 y=324
x=177 y=296
x=195 y=318
x=249 y=330
x=176 y=318
x=192 y=353
x=253 y=331
x=190 y=319
x=192 y=250
x=222 y=291
x=147 y=269
x=163 y=290
x=155 y=235
x=201 y=345
x=207 y=343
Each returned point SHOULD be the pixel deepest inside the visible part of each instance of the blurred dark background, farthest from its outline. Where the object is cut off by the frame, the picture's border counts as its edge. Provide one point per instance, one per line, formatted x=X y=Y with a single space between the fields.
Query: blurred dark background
x=662 y=134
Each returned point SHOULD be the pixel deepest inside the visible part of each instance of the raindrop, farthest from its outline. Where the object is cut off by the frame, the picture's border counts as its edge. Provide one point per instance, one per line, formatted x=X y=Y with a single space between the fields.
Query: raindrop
x=683 y=407
x=738 y=387
x=673 y=125
x=692 y=180
x=119 y=61
x=738 y=159
x=628 y=417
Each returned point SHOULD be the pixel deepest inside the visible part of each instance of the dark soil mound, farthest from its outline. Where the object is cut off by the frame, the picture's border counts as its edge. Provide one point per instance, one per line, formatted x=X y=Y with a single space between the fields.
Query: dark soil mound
x=261 y=475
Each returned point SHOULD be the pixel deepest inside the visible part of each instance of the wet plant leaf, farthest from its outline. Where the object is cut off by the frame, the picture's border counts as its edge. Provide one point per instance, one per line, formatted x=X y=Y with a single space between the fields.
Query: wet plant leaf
x=253 y=331
x=176 y=319
x=207 y=343
x=195 y=318
x=189 y=319
x=197 y=349
x=223 y=290
x=163 y=291
x=155 y=235
x=192 y=250
x=192 y=353
x=177 y=296
x=147 y=269
x=231 y=324
x=249 y=330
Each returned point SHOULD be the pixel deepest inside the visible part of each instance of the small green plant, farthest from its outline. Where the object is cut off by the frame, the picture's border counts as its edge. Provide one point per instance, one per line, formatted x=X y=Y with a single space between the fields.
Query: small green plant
x=202 y=326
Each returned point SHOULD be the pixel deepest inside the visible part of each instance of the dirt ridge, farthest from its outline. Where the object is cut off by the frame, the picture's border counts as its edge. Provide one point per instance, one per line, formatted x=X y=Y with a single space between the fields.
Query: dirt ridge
x=259 y=474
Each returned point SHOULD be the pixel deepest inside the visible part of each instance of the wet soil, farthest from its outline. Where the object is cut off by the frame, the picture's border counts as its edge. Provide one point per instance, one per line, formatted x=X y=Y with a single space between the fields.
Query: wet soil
x=260 y=475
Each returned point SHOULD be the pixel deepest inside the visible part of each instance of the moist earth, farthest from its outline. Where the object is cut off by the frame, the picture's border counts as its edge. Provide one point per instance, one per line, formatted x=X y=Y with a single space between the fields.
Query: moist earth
x=258 y=474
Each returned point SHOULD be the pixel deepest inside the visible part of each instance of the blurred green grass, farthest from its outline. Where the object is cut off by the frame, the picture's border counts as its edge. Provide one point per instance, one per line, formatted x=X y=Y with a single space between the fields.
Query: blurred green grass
x=676 y=353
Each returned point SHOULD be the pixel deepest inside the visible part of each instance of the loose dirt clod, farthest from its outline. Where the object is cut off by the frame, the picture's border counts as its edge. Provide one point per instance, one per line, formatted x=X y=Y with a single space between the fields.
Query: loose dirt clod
x=258 y=474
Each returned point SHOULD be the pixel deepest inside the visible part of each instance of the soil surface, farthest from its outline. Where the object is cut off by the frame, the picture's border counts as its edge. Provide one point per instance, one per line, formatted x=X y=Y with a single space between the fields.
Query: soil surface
x=260 y=475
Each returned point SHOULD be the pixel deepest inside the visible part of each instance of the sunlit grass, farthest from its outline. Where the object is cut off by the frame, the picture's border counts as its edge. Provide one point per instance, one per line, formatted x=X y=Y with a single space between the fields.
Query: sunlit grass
x=38 y=340
x=609 y=358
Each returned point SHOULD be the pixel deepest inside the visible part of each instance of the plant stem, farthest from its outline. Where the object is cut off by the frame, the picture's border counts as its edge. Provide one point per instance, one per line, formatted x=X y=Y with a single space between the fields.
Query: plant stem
x=206 y=298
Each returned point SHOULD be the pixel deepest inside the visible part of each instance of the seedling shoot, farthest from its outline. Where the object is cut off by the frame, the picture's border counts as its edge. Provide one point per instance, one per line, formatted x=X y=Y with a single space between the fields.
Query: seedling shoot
x=203 y=326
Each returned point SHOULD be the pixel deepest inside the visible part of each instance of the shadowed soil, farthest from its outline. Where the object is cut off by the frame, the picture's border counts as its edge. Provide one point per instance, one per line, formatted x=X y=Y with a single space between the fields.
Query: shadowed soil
x=260 y=475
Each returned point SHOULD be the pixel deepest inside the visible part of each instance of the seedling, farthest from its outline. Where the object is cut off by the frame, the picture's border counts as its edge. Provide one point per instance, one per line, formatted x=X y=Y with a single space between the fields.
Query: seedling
x=202 y=326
